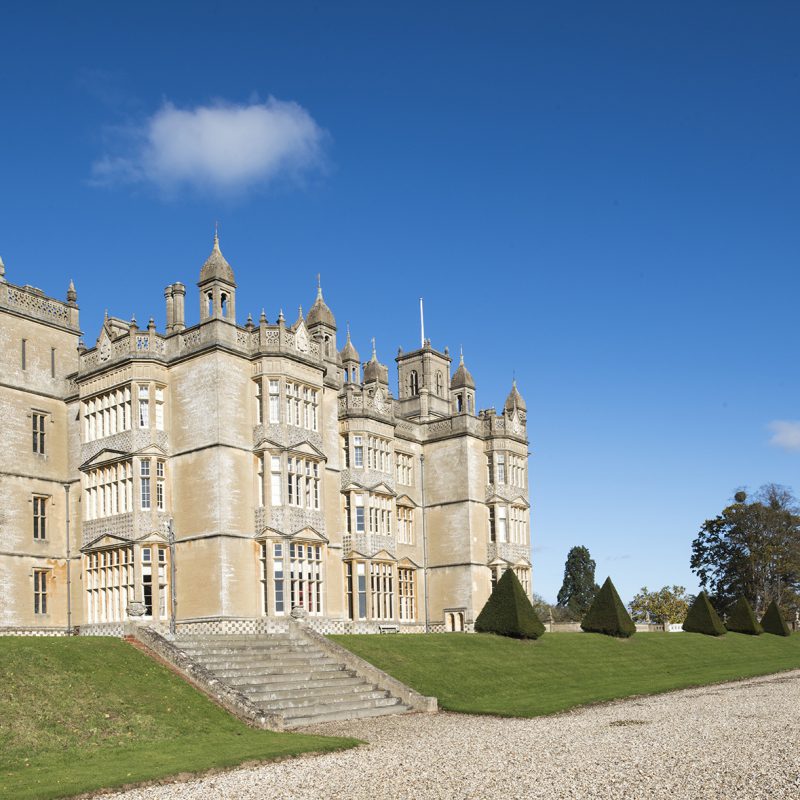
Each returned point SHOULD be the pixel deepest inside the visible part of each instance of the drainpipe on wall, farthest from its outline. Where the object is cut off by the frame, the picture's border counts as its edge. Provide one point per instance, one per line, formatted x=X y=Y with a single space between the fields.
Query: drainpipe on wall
x=69 y=561
x=424 y=543
x=173 y=595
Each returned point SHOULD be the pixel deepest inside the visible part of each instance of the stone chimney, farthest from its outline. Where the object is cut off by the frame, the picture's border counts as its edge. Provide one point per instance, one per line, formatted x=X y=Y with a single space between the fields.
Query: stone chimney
x=178 y=306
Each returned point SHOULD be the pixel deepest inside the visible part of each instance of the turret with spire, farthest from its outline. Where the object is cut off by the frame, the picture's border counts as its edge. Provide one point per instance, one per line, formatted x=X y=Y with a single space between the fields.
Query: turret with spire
x=322 y=324
x=374 y=371
x=217 y=286
x=351 y=361
x=514 y=401
x=462 y=387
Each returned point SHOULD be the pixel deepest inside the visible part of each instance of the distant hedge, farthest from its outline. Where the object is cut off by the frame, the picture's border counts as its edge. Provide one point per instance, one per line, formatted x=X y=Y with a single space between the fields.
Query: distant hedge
x=773 y=621
x=508 y=611
x=741 y=619
x=702 y=618
x=607 y=614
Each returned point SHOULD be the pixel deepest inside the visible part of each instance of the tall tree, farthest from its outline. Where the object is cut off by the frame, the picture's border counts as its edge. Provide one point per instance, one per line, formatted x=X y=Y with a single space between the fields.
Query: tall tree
x=579 y=588
x=752 y=549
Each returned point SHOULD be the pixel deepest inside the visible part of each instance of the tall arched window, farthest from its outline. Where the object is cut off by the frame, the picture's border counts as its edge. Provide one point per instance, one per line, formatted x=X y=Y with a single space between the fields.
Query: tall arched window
x=439 y=384
x=413 y=383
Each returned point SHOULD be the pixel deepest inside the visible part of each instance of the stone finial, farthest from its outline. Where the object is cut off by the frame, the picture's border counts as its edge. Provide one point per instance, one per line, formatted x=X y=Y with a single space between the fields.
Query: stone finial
x=250 y=324
x=263 y=318
x=151 y=324
x=281 y=318
x=72 y=295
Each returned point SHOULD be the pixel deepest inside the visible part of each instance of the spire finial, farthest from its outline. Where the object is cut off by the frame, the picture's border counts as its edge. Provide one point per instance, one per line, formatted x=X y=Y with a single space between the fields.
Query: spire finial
x=216 y=234
x=72 y=295
x=319 y=286
x=461 y=359
x=374 y=352
x=348 y=330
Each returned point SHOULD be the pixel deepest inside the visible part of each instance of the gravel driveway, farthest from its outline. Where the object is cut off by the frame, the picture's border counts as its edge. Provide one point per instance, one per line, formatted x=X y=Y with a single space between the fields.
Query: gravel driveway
x=735 y=740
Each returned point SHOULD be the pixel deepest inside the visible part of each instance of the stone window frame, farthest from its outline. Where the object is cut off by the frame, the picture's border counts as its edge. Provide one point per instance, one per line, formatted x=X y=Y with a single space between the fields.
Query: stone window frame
x=406 y=593
x=41 y=590
x=39 y=508
x=109 y=575
x=108 y=489
x=106 y=413
x=39 y=418
x=288 y=576
x=380 y=587
x=405 y=523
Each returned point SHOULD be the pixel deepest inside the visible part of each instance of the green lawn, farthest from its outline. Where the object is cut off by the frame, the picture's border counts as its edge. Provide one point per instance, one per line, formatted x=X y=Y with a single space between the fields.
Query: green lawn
x=485 y=674
x=84 y=713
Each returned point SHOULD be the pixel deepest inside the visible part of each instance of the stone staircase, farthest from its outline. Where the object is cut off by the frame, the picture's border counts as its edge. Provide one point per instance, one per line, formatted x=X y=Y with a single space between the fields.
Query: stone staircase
x=289 y=676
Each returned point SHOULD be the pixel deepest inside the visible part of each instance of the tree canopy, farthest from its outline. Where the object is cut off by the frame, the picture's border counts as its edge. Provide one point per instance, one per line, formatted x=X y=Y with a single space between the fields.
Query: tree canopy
x=668 y=604
x=752 y=550
x=579 y=587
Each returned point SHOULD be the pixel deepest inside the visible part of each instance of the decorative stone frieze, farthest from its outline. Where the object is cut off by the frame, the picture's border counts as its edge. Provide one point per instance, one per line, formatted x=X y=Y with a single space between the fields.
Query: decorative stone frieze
x=512 y=494
x=369 y=543
x=368 y=478
x=289 y=520
x=507 y=551
x=120 y=525
x=286 y=436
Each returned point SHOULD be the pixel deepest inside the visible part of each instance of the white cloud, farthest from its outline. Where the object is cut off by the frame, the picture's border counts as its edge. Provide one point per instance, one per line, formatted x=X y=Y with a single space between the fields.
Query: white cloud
x=222 y=146
x=785 y=434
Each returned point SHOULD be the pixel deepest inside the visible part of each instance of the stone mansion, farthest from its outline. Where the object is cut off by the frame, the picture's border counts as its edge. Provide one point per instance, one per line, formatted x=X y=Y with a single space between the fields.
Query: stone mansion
x=220 y=477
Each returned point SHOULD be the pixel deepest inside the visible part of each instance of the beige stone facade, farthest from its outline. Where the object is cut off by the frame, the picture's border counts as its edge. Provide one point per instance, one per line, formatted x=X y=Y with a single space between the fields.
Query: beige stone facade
x=223 y=476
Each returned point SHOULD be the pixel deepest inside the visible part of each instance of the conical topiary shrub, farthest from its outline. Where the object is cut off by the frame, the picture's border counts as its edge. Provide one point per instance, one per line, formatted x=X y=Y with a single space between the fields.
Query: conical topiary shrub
x=702 y=618
x=607 y=615
x=741 y=618
x=508 y=611
x=773 y=621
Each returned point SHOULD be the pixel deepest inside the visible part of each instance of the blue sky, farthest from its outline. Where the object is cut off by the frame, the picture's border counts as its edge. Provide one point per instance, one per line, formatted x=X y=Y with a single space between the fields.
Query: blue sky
x=599 y=198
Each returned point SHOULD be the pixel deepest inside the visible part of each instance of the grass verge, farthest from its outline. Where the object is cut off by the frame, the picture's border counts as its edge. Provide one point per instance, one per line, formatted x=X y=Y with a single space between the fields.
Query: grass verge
x=486 y=674
x=82 y=714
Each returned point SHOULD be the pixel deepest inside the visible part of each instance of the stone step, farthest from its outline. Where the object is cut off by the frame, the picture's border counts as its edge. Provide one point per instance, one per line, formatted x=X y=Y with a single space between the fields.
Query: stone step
x=335 y=705
x=266 y=664
x=262 y=658
x=238 y=677
x=269 y=667
x=256 y=649
x=237 y=641
x=334 y=716
x=322 y=694
x=285 y=705
x=342 y=678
